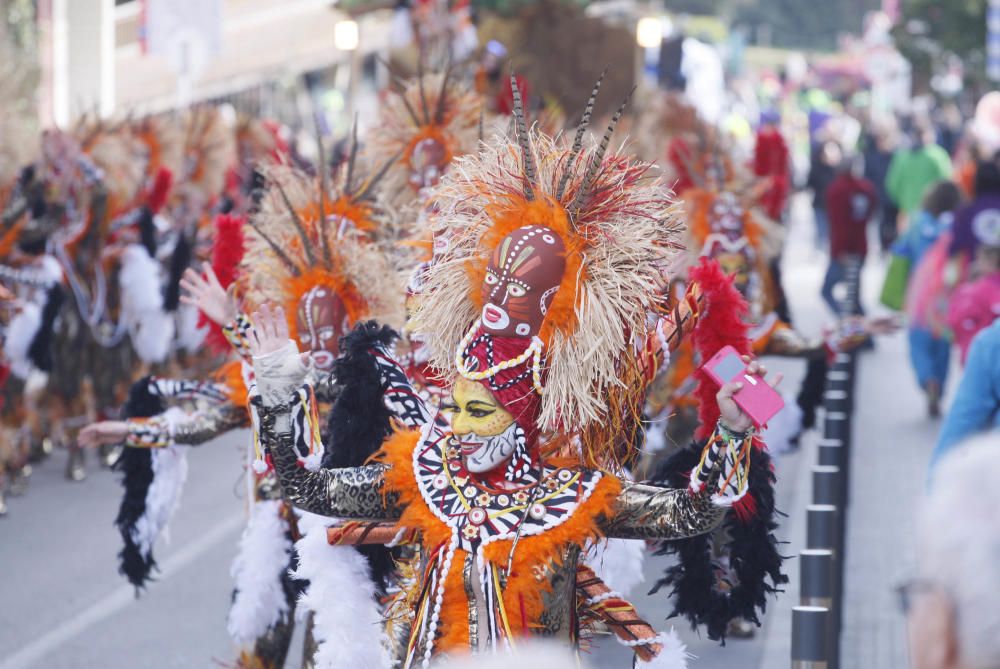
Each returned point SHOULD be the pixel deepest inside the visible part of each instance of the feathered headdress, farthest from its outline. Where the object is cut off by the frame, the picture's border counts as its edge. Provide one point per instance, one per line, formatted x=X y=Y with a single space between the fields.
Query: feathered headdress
x=307 y=235
x=618 y=225
x=431 y=108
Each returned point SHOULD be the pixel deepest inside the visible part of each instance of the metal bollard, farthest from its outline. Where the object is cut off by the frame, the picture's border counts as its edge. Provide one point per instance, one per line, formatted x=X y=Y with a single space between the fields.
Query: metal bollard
x=810 y=645
x=827 y=486
x=831 y=452
x=836 y=400
x=816 y=577
x=821 y=526
x=836 y=425
x=838 y=379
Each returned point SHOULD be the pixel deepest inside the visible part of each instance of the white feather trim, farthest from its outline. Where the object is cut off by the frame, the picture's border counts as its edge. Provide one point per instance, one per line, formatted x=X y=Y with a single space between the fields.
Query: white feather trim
x=617 y=562
x=20 y=333
x=170 y=470
x=784 y=427
x=151 y=328
x=264 y=551
x=347 y=623
x=674 y=654
x=190 y=337
x=49 y=270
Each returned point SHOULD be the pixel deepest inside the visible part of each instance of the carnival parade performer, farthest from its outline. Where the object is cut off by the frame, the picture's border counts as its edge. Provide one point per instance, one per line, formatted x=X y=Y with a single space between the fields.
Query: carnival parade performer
x=521 y=314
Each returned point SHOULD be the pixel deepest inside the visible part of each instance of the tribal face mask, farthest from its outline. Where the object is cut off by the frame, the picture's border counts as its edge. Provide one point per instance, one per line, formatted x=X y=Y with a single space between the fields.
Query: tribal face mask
x=521 y=281
x=321 y=321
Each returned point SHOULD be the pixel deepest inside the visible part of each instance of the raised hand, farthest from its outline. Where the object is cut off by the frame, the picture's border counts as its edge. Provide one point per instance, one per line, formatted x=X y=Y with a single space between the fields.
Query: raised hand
x=103 y=433
x=279 y=367
x=269 y=332
x=208 y=295
x=731 y=415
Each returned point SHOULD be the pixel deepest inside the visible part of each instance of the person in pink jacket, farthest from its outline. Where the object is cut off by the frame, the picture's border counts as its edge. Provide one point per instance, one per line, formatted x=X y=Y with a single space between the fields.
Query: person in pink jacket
x=976 y=304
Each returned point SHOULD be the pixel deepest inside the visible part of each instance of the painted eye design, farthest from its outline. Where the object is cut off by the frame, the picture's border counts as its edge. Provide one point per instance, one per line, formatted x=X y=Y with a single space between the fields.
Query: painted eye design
x=515 y=290
x=306 y=339
x=326 y=334
x=491 y=279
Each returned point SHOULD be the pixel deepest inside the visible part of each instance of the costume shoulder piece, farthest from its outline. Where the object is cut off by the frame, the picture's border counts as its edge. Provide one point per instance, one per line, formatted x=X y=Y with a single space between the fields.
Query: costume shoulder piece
x=546 y=498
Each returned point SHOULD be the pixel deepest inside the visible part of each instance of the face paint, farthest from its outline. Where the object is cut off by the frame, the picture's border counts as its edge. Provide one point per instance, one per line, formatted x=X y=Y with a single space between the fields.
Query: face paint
x=484 y=454
x=321 y=321
x=726 y=216
x=428 y=160
x=481 y=427
x=521 y=281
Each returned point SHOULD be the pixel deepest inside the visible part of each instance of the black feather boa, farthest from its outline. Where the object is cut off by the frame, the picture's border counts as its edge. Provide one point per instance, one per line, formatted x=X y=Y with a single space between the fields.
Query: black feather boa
x=749 y=544
x=40 y=350
x=147 y=231
x=179 y=261
x=359 y=421
x=136 y=468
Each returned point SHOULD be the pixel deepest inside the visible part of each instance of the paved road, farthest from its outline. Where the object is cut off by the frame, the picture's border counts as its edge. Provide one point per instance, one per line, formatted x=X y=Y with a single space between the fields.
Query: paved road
x=62 y=604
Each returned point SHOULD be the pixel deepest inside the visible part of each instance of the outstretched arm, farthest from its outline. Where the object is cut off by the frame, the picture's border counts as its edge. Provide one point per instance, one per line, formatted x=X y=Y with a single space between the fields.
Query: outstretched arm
x=647 y=512
x=284 y=417
x=719 y=480
x=166 y=429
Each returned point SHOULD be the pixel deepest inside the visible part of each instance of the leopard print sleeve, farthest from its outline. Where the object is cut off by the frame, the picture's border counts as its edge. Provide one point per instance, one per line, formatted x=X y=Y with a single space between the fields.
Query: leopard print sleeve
x=352 y=493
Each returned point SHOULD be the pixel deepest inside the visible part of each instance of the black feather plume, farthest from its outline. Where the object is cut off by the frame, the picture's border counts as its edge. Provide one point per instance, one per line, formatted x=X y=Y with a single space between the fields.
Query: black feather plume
x=179 y=262
x=136 y=468
x=147 y=231
x=750 y=545
x=359 y=421
x=40 y=350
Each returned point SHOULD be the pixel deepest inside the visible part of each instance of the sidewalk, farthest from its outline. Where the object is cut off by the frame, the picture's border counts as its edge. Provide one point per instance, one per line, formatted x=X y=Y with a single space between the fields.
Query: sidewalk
x=892 y=443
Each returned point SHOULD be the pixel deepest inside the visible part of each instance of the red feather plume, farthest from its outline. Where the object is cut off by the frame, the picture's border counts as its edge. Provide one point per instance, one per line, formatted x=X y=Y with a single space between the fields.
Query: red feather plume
x=227 y=253
x=160 y=189
x=722 y=323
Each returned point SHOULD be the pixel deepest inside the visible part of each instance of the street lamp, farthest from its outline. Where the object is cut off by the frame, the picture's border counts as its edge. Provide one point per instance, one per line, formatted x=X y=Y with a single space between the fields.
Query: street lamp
x=345 y=35
x=649 y=32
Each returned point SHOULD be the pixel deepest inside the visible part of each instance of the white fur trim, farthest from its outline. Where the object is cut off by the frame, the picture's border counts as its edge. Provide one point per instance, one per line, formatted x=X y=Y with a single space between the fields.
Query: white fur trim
x=264 y=551
x=151 y=329
x=674 y=654
x=783 y=427
x=617 y=562
x=20 y=333
x=347 y=623
x=312 y=462
x=190 y=337
x=49 y=270
x=170 y=469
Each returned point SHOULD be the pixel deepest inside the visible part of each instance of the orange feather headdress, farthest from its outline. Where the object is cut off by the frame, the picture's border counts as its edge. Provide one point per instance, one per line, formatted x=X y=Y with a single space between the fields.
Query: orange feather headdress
x=618 y=224
x=430 y=106
x=307 y=234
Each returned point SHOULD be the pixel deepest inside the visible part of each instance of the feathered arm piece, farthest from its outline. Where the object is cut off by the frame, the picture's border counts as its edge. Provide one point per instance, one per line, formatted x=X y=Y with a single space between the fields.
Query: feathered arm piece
x=652 y=649
x=712 y=592
x=191 y=429
x=354 y=493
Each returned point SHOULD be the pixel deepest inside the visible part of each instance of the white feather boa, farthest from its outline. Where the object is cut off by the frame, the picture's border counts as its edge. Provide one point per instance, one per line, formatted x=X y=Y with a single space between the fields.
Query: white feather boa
x=20 y=333
x=263 y=556
x=150 y=327
x=347 y=622
x=674 y=654
x=170 y=469
x=190 y=337
x=617 y=562
x=785 y=426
